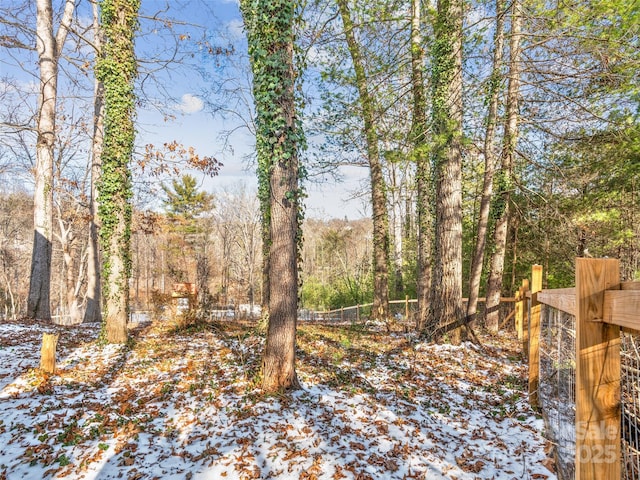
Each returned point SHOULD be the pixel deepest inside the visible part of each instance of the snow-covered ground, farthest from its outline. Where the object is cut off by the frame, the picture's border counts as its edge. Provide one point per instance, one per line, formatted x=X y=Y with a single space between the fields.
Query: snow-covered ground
x=184 y=405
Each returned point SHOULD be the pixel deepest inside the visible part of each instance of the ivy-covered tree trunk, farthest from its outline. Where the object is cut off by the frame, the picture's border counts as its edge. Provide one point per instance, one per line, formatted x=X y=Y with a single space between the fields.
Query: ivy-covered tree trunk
x=446 y=154
x=49 y=48
x=270 y=32
x=477 y=260
x=93 y=311
x=419 y=129
x=500 y=209
x=380 y=216
x=117 y=70
x=265 y=232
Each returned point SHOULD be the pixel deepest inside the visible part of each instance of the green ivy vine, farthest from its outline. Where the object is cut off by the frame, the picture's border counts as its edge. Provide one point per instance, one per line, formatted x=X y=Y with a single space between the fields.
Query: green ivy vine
x=116 y=68
x=442 y=75
x=270 y=27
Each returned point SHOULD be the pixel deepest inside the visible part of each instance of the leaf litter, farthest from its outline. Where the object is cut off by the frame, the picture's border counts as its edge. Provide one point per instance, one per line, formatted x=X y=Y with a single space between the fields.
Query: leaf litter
x=186 y=404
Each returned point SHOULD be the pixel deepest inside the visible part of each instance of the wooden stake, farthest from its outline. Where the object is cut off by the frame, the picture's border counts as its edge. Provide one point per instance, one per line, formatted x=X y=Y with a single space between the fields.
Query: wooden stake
x=597 y=373
x=406 y=307
x=534 y=336
x=519 y=312
x=525 y=316
x=48 y=352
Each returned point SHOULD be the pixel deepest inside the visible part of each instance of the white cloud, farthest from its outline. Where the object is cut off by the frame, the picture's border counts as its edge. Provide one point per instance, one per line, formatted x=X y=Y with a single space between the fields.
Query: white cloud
x=190 y=104
x=235 y=28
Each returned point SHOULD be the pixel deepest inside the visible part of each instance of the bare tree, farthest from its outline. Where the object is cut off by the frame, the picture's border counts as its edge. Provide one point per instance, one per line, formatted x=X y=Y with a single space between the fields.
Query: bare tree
x=380 y=309
x=505 y=179
x=419 y=138
x=93 y=310
x=16 y=225
x=49 y=47
x=490 y=159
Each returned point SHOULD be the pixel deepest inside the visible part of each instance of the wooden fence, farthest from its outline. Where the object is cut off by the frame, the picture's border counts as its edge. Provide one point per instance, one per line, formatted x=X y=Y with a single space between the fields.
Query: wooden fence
x=403 y=310
x=602 y=306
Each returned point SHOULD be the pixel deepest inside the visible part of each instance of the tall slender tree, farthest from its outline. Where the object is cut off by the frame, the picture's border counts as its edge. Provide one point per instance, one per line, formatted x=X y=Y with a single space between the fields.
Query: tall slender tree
x=380 y=215
x=419 y=137
x=271 y=36
x=93 y=310
x=116 y=68
x=490 y=157
x=49 y=48
x=501 y=206
x=446 y=154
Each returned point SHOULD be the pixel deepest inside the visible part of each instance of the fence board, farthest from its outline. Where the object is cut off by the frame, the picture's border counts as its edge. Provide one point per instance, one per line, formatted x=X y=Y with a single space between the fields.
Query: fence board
x=597 y=374
x=563 y=299
x=630 y=286
x=534 y=336
x=622 y=308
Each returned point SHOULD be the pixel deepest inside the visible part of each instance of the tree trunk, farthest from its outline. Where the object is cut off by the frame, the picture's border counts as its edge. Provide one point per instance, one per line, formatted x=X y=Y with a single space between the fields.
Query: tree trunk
x=501 y=205
x=397 y=229
x=93 y=311
x=266 y=244
x=49 y=48
x=278 y=139
x=72 y=309
x=446 y=304
x=117 y=301
x=419 y=130
x=279 y=357
x=380 y=309
x=489 y=165
x=117 y=71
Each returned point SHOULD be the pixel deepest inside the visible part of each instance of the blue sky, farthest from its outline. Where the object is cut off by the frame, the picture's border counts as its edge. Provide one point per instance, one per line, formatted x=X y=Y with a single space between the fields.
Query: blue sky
x=193 y=97
x=178 y=104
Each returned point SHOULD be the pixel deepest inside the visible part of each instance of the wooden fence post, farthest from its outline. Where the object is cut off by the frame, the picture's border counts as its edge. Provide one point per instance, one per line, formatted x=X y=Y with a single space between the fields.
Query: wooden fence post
x=534 y=336
x=519 y=312
x=48 y=352
x=597 y=373
x=525 y=316
x=406 y=307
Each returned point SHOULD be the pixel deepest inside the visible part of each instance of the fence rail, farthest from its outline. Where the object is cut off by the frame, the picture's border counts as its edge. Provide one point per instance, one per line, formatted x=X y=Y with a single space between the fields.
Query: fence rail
x=399 y=309
x=607 y=378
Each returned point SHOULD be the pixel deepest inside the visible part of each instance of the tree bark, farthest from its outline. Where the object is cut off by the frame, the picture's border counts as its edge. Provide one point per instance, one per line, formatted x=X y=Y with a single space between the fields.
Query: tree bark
x=419 y=130
x=279 y=136
x=501 y=206
x=489 y=165
x=380 y=216
x=67 y=245
x=279 y=357
x=49 y=48
x=397 y=230
x=446 y=303
x=117 y=301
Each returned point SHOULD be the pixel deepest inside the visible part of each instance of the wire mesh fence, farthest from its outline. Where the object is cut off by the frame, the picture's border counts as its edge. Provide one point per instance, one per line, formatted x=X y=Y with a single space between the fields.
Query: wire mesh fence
x=630 y=389
x=402 y=311
x=557 y=393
